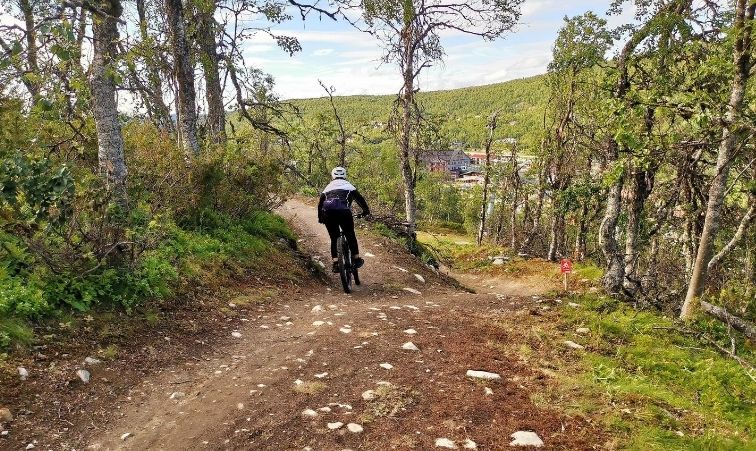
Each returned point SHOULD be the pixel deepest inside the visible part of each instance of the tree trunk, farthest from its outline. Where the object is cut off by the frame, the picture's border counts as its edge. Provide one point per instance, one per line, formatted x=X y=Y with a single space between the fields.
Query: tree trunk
x=614 y=270
x=486 y=178
x=32 y=65
x=641 y=189
x=184 y=72
x=744 y=13
x=206 y=34
x=581 y=242
x=162 y=114
x=104 y=108
x=408 y=103
x=516 y=182
x=537 y=214
x=557 y=238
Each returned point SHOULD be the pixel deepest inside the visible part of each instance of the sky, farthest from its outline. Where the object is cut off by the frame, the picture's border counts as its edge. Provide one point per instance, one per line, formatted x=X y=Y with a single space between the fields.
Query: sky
x=349 y=60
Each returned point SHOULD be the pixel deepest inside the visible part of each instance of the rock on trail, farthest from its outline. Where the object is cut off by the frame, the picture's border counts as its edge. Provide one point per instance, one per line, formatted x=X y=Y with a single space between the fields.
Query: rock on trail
x=526 y=438
x=485 y=375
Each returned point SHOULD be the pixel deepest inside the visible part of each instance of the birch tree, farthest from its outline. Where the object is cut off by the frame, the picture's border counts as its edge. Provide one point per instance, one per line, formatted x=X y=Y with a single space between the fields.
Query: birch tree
x=731 y=133
x=184 y=73
x=410 y=30
x=103 y=72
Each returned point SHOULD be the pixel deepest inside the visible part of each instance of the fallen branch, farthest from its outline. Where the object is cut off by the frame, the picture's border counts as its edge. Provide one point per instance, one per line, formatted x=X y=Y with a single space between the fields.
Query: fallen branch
x=748 y=329
x=744 y=363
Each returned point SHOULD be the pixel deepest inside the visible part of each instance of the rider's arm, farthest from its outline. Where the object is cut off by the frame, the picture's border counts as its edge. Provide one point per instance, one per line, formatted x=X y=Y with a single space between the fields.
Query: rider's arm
x=320 y=208
x=361 y=202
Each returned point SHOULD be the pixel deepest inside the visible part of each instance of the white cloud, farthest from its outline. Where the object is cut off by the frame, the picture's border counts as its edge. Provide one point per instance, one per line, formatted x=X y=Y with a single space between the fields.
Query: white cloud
x=322 y=52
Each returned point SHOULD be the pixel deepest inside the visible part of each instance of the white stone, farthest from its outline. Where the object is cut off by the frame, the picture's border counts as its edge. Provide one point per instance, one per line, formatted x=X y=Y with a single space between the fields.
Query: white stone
x=469 y=444
x=583 y=330
x=321 y=375
x=84 y=375
x=236 y=334
x=317 y=308
x=445 y=443
x=297 y=382
x=369 y=395
x=574 y=305
x=488 y=391
x=23 y=373
x=498 y=261
x=412 y=307
x=345 y=330
x=409 y=346
x=30 y=446
x=325 y=409
x=410 y=331
x=573 y=345
x=369 y=255
x=387 y=366
x=285 y=318
x=526 y=438
x=336 y=425
x=420 y=278
x=91 y=361
x=318 y=323
x=240 y=406
x=400 y=268
x=485 y=375
x=354 y=428
x=177 y=395
x=412 y=290
x=125 y=435
x=309 y=413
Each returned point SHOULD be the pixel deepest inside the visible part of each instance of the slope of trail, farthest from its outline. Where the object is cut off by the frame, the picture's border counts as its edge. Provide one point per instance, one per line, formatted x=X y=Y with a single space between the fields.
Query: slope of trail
x=295 y=375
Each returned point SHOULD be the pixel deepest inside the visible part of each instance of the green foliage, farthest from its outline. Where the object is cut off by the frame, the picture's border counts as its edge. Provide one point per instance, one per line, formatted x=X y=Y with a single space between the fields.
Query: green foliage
x=663 y=388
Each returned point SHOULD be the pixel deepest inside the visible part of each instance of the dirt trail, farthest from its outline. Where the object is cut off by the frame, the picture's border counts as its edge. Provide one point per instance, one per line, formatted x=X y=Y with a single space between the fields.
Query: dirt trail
x=302 y=364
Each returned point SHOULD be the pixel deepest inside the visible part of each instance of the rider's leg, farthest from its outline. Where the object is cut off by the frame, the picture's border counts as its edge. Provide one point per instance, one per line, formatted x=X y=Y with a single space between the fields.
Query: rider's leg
x=347 y=225
x=332 y=226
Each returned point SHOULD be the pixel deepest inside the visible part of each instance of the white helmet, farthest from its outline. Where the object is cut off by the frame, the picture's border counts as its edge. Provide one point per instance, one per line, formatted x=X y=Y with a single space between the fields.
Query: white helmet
x=338 y=173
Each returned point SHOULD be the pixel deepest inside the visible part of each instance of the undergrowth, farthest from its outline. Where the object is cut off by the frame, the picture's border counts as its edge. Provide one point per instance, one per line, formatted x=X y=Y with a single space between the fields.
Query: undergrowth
x=188 y=255
x=656 y=384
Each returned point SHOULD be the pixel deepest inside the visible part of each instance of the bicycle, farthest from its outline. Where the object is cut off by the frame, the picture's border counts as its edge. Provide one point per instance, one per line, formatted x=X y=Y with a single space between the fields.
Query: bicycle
x=347 y=272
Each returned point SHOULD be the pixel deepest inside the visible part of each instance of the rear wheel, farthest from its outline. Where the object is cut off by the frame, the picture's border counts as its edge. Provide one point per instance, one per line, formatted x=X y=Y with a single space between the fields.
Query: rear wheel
x=345 y=264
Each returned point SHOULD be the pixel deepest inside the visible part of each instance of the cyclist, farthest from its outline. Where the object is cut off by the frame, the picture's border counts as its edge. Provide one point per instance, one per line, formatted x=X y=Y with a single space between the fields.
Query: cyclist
x=335 y=211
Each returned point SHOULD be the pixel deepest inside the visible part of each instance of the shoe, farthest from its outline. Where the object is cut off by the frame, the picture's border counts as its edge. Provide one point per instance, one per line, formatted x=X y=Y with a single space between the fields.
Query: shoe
x=358 y=262
x=336 y=268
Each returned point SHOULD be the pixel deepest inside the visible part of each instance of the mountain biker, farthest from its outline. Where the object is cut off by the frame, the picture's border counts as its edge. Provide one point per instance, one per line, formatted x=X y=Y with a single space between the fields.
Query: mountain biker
x=335 y=211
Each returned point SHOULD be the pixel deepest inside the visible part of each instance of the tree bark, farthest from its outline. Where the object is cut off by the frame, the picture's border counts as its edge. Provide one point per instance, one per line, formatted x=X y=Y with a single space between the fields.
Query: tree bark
x=161 y=111
x=112 y=162
x=723 y=315
x=32 y=64
x=184 y=73
x=744 y=13
x=210 y=60
x=641 y=189
x=486 y=178
x=408 y=104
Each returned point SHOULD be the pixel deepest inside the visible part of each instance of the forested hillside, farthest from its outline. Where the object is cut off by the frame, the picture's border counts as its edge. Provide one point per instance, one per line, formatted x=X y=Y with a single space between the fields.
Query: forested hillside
x=464 y=110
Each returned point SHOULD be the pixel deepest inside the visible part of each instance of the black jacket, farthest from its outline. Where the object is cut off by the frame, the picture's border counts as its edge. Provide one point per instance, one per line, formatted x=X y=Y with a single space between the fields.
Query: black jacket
x=339 y=195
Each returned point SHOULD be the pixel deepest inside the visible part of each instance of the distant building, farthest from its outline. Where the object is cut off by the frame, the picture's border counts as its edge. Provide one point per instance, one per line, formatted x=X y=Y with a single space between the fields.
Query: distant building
x=447 y=161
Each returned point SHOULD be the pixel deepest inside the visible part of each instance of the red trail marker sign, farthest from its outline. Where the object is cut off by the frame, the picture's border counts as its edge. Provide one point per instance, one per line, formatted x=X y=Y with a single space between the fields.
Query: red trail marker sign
x=565 y=266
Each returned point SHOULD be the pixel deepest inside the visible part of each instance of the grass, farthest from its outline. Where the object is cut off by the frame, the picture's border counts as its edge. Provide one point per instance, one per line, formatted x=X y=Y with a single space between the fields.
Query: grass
x=388 y=402
x=651 y=384
x=208 y=254
x=310 y=388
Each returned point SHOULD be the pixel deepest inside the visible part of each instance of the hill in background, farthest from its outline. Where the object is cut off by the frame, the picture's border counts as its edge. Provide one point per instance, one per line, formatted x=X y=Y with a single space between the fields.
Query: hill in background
x=466 y=110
